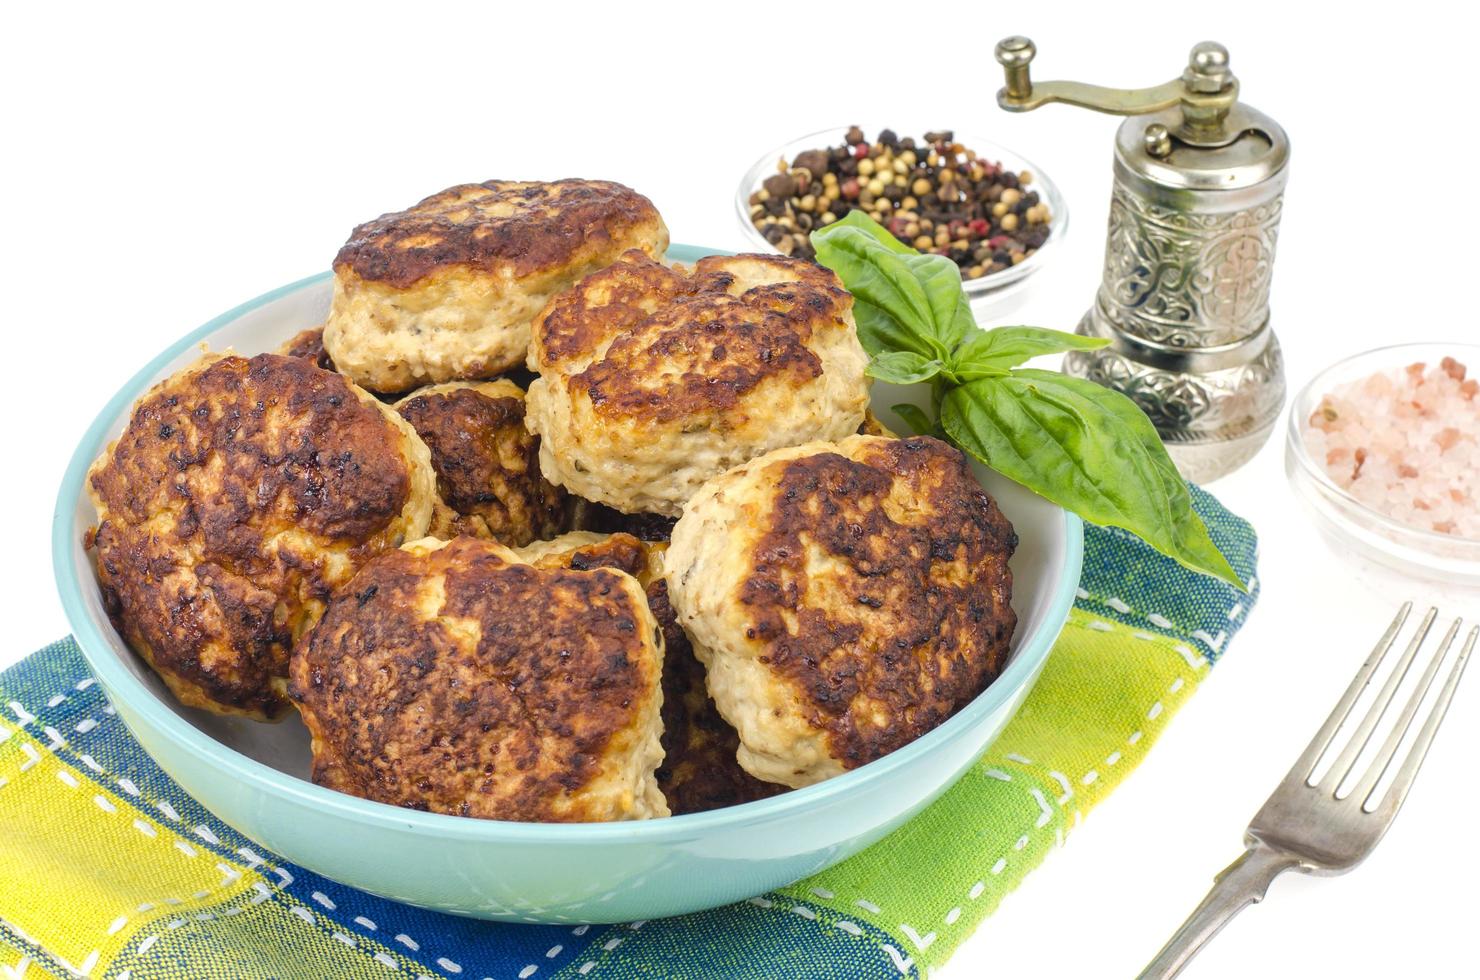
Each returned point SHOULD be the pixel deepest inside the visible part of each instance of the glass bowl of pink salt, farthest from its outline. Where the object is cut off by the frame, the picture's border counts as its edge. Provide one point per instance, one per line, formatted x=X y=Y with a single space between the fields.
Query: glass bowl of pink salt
x=1384 y=449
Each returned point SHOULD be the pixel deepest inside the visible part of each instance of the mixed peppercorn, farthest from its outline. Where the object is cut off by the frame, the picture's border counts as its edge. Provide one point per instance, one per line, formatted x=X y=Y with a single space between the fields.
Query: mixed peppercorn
x=933 y=194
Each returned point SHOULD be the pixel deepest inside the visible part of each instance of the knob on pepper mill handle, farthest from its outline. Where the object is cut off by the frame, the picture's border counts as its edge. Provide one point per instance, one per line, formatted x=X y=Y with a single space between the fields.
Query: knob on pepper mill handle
x=1015 y=54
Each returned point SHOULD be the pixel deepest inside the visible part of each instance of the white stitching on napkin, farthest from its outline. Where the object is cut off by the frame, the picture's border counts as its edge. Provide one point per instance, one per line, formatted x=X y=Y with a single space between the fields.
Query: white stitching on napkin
x=1045 y=812
x=1215 y=642
x=922 y=943
x=901 y=962
x=1194 y=659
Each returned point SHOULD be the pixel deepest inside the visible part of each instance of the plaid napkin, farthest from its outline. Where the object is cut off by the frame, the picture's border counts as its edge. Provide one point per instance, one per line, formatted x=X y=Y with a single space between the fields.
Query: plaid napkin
x=107 y=868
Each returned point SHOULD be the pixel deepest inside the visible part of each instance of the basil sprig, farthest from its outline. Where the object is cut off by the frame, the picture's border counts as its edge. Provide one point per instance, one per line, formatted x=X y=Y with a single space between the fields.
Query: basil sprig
x=1085 y=447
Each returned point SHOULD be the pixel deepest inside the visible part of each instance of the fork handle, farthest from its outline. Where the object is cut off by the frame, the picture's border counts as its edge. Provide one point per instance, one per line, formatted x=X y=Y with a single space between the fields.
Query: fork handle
x=1237 y=886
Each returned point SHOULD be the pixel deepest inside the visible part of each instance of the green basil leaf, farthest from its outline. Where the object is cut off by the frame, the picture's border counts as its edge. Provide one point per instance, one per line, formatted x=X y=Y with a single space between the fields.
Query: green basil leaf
x=914 y=416
x=988 y=353
x=903 y=367
x=880 y=333
x=882 y=288
x=922 y=294
x=949 y=307
x=870 y=227
x=1088 y=449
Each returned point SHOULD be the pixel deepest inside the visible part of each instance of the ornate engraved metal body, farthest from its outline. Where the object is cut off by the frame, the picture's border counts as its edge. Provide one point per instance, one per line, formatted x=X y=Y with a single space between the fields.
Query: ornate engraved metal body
x=1184 y=300
x=1187 y=279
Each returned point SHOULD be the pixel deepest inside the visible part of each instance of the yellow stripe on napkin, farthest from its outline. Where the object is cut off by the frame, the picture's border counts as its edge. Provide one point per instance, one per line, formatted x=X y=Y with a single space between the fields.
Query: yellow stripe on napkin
x=83 y=869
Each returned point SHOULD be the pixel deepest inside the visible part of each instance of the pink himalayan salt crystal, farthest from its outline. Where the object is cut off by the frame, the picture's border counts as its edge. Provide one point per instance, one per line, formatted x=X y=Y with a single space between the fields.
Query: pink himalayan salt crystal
x=1407 y=444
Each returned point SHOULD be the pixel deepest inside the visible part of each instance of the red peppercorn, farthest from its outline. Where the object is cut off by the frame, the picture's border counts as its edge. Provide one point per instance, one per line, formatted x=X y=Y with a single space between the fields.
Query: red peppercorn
x=861 y=151
x=851 y=188
x=979 y=226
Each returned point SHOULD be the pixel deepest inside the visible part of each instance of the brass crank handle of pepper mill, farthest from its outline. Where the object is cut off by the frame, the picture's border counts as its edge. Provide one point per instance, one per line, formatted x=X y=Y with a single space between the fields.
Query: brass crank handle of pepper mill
x=1206 y=90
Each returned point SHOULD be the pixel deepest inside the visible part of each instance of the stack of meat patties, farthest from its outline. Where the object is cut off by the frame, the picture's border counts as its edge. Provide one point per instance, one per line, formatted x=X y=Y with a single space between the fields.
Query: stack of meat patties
x=538 y=526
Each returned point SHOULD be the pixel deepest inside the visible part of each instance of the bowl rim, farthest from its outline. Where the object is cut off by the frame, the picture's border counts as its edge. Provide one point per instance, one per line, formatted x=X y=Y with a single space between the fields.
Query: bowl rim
x=982 y=286
x=122 y=685
x=1295 y=441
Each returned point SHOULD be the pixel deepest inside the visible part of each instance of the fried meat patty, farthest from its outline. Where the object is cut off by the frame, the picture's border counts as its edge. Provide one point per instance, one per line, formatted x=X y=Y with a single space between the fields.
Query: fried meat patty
x=455 y=678
x=845 y=598
x=240 y=494
x=489 y=483
x=653 y=380
x=699 y=770
x=309 y=344
x=445 y=290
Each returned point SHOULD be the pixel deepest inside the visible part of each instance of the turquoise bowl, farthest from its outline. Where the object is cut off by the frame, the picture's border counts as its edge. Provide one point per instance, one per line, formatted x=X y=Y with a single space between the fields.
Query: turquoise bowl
x=255 y=776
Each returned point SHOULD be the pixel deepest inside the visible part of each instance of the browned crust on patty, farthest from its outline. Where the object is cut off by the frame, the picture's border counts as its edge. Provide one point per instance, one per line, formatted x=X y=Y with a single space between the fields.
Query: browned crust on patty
x=487 y=463
x=871 y=426
x=682 y=345
x=587 y=515
x=309 y=345
x=912 y=619
x=522 y=226
x=621 y=552
x=699 y=770
x=216 y=504
x=460 y=681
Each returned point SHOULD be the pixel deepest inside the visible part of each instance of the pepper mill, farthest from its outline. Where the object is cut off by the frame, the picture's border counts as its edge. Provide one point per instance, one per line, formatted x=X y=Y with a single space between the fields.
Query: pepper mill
x=1184 y=295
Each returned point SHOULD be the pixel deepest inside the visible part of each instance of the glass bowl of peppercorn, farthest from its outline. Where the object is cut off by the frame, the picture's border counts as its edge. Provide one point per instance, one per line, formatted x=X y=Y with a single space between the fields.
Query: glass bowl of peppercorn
x=991 y=211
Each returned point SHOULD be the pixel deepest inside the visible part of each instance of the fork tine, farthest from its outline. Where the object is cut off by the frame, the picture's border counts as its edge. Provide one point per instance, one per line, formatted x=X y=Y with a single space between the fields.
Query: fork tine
x=1384 y=758
x=1342 y=767
x=1403 y=782
x=1303 y=767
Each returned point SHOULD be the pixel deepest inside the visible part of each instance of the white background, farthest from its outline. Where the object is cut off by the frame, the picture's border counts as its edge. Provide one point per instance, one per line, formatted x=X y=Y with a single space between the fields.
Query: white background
x=160 y=167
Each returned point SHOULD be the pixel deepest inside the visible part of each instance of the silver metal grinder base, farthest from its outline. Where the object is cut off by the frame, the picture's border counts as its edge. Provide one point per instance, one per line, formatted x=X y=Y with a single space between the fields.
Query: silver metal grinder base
x=1213 y=420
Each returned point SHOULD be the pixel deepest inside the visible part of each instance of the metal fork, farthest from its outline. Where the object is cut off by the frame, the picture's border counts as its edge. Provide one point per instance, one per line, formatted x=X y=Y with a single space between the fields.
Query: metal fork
x=1305 y=826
